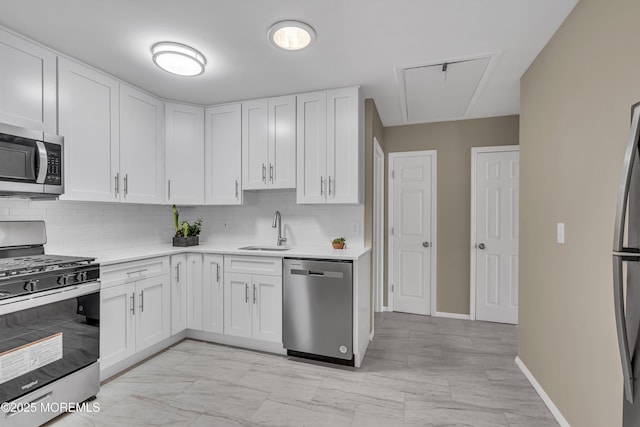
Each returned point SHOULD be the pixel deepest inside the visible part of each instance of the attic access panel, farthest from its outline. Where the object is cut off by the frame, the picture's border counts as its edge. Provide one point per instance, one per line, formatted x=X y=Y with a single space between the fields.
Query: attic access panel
x=442 y=91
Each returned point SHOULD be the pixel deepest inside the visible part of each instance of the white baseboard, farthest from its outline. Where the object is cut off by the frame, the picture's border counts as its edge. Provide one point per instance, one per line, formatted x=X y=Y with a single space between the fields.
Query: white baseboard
x=451 y=315
x=543 y=394
x=386 y=308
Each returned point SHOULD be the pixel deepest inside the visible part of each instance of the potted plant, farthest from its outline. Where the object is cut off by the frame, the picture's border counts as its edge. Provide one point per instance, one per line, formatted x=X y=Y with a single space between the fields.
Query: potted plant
x=186 y=234
x=338 y=243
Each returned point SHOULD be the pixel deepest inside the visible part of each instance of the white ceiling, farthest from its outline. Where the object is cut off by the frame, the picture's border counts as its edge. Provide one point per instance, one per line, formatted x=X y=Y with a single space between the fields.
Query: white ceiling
x=360 y=42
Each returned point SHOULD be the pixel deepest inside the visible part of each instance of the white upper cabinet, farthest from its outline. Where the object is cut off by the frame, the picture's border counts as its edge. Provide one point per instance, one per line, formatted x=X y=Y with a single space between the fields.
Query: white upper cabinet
x=141 y=147
x=223 y=155
x=27 y=84
x=268 y=143
x=330 y=146
x=345 y=147
x=312 y=147
x=88 y=118
x=184 y=148
x=282 y=142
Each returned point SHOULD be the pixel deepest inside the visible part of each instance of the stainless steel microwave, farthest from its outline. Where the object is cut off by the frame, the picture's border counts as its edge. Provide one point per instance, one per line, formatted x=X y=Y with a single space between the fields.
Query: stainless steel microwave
x=31 y=163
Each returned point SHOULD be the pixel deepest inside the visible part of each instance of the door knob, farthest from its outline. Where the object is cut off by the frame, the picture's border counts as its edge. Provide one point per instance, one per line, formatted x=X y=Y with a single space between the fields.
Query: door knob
x=425 y=244
x=481 y=246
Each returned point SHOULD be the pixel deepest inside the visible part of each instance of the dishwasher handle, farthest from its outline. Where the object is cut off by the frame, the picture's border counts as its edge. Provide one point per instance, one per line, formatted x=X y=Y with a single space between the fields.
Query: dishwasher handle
x=313 y=273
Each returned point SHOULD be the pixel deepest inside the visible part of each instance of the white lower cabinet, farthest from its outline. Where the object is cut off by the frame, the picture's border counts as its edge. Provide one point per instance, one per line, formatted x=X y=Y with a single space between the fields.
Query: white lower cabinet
x=253 y=302
x=194 y=291
x=135 y=309
x=212 y=294
x=178 y=293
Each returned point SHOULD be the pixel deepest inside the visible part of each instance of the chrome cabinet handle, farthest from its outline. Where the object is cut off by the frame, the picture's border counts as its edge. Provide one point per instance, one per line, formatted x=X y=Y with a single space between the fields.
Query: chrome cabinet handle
x=426 y=244
x=117 y=186
x=218 y=273
x=126 y=184
x=168 y=189
x=264 y=173
x=254 y=293
x=133 y=303
x=178 y=272
x=271 y=172
x=137 y=271
x=321 y=186
x=481 y=246
x=246 y=292
x=330 y=186
x=236 y=188
x=142 y=301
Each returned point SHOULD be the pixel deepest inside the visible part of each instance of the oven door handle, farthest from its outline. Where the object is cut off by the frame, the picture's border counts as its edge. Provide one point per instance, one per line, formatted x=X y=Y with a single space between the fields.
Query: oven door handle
x=24 y=302
x=42 y=162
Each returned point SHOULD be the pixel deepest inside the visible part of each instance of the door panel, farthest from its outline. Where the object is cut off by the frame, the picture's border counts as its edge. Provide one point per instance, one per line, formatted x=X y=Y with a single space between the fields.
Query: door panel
x=89 y=121
x=178 y=293
x=237 y=304
x=267 y=308
x=281 y=171
x=141 y=147
x=153 y=308
x=311 y=147
x=496 y=240
x=254 y=145
x=412 y=239
x=194 y=291
x=343 y=163
x=117 y=333
x=223 y=155
x=212 y=293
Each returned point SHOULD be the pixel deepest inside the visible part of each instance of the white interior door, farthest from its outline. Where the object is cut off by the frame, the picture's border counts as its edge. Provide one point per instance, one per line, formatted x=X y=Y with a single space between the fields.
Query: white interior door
x=495 y=244
x=413 y=231
x=378 y=224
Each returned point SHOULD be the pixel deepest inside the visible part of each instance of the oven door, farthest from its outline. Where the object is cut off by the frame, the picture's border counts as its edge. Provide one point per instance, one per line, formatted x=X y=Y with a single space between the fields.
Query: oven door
x=47 y=336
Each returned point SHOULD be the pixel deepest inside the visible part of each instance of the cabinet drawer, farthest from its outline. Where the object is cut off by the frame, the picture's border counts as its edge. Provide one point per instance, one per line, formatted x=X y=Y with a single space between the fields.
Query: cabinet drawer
x=253 y=265
x=134 y=270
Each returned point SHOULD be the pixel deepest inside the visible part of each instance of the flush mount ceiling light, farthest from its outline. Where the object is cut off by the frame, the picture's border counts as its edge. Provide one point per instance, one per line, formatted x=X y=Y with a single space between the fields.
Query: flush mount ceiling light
x=291 y=35
x=177 y=58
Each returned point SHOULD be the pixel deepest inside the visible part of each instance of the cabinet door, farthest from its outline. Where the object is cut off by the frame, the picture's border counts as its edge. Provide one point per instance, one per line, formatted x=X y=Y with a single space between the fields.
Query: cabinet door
x=311 y=147
x=194 y=291
x=178 y=293
x=153 y=311
x=89 y=121
x=254 y=145
x=117 y=332
x=237 y=304
x=267 y=308
x=281 y=170
x=343 y=146
x=212 y=293
x=223 y=158
x=184 y=148
x=27 y=84
x=141 y=147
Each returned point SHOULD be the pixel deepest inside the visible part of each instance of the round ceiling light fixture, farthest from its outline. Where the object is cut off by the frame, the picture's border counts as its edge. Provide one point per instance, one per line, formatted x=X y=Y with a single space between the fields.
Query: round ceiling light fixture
x=178 y=59
x=291 y=35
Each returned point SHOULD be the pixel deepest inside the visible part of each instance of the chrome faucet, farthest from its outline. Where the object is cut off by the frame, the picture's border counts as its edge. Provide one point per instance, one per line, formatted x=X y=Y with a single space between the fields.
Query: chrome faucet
x=277 y=222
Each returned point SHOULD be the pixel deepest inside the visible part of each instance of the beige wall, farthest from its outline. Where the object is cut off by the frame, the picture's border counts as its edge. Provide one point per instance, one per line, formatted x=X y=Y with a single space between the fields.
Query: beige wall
x=372 y=128
x=575 y=111
x=453 y=142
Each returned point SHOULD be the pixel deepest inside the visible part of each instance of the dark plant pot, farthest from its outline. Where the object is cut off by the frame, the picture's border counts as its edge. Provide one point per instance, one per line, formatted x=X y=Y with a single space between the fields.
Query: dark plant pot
x=186 y=241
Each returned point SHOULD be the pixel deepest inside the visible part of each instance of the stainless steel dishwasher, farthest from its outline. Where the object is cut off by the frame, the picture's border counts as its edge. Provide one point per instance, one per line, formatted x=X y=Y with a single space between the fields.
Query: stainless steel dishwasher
x=317 y=304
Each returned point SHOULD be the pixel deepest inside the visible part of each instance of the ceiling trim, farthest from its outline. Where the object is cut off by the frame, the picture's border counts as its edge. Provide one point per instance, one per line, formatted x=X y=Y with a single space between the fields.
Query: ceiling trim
x=494 y=57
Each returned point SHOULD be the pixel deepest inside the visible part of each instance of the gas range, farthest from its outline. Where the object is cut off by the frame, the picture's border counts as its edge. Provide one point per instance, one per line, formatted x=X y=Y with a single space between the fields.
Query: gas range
x=39 y=272
x=50 y=326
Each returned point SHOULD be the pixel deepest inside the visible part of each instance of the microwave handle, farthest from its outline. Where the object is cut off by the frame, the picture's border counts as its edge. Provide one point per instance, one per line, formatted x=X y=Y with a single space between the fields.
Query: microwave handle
x=42 y=162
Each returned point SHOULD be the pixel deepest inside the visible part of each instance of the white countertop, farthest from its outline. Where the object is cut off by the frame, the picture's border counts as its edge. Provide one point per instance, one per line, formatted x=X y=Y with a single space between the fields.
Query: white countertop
x=114 y=256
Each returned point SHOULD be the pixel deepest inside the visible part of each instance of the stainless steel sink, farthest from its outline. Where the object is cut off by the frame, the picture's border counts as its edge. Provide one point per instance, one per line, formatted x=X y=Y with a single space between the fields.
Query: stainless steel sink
x=265 y=248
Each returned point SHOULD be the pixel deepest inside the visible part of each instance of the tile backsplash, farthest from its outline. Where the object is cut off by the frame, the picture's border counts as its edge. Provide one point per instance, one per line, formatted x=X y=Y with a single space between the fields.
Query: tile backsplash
x=74 y=226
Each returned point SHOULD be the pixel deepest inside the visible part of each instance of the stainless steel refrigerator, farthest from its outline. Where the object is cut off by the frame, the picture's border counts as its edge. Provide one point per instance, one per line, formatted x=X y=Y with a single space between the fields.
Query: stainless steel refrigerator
x=626 y=265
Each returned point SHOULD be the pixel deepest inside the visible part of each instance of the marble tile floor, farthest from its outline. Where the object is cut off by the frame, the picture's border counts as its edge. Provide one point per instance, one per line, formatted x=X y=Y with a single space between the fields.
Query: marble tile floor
x=418 y=371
